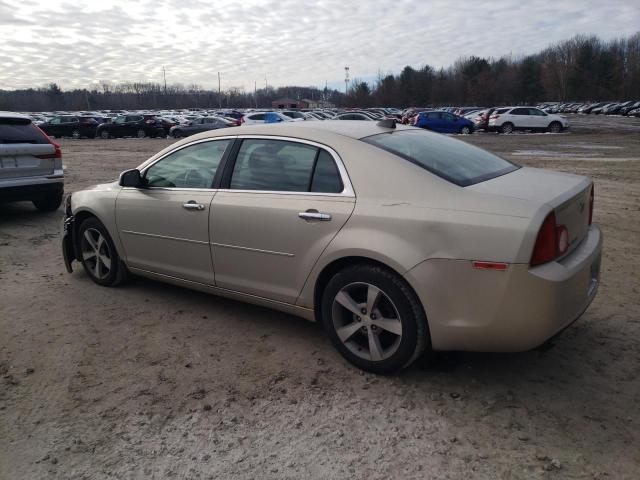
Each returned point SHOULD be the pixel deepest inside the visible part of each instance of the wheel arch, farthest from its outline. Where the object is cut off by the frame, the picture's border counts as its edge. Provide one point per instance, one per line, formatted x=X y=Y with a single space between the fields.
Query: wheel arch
x=81 y=215
x=338 y=264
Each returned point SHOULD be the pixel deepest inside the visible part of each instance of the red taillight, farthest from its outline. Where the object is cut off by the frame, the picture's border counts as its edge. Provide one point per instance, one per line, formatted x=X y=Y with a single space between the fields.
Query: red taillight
x=57 y=153
x=551 y=242
x=494 y=116
x=591 y=198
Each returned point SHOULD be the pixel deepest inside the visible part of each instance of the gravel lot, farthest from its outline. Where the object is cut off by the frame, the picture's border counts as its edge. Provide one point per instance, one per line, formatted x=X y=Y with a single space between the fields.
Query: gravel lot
x=154 y=381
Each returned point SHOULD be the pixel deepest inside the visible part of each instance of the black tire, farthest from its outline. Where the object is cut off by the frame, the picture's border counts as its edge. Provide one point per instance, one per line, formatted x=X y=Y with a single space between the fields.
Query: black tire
x=118 y=272
x=555 y=127
x=76 y=134
x=104 y=134
x=466 y=130
x=507 y=128
x=414 y=338
x=176 y=133
x=141 y=133
x=49 y=203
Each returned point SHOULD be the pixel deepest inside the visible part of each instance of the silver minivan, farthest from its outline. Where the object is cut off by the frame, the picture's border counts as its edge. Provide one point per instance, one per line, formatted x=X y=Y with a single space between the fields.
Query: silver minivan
x=30 y=164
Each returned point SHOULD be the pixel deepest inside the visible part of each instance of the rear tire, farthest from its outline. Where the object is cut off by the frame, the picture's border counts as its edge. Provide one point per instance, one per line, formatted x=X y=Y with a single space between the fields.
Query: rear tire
x=104 y=134
x=388 y=337
x=76 y=134
x=507 y=128
x=48 y=203
x=465 y=130
x=98 y=254
x=141 y=133
x=554 y=127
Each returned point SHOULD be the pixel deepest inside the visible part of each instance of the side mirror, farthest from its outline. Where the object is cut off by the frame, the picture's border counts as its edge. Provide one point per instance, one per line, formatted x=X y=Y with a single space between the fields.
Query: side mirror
x=131 y=178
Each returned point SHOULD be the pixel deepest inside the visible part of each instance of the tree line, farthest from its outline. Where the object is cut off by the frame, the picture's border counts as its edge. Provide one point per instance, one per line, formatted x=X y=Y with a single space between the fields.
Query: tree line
x=582 y=68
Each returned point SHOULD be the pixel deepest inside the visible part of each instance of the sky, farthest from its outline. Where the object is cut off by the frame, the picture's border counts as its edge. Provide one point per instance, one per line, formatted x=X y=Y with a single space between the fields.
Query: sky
x=81 y=43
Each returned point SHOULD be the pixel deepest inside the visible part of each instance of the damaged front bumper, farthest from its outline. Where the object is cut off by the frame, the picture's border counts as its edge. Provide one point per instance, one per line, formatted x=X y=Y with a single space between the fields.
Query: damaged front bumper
x=68 y=235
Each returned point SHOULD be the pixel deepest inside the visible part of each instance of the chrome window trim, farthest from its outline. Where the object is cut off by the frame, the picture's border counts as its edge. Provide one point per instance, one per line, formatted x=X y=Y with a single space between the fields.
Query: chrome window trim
x=347 y=190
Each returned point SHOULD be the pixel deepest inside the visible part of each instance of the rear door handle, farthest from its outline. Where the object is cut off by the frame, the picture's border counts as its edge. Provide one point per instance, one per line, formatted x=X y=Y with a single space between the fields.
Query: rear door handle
x=192 y=205
x=311 y=215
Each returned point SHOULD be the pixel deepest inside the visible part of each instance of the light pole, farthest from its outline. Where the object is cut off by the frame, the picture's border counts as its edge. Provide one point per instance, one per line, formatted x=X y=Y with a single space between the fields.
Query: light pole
x=346 y=79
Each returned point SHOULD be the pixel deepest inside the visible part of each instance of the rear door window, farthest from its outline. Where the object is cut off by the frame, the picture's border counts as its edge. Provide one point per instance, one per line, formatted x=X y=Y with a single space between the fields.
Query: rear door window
x=19 y=131
x=284 y=166
x=520 y=111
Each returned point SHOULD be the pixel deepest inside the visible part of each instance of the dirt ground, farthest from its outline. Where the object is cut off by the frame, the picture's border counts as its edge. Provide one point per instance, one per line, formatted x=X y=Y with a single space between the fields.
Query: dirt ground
x=154 y=381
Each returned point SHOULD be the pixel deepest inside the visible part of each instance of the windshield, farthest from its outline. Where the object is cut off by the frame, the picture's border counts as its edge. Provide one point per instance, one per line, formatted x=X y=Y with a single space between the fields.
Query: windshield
x=453 y=160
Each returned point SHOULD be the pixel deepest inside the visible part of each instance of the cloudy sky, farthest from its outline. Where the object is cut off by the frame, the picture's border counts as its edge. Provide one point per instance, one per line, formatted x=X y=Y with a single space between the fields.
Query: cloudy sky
x=80 y=43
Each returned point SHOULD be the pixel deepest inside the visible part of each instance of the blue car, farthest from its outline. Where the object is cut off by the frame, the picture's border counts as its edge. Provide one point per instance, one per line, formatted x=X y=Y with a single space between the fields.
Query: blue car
x=444 y=122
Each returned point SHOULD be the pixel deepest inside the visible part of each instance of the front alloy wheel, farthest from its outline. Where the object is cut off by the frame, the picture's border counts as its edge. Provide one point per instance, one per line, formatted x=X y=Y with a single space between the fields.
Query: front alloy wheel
x=98 y=254
x=465 y=130
x=141 y=133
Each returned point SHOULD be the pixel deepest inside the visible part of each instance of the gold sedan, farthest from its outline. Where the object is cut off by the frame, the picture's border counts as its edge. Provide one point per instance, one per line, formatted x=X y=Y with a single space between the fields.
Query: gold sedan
x=398 y=240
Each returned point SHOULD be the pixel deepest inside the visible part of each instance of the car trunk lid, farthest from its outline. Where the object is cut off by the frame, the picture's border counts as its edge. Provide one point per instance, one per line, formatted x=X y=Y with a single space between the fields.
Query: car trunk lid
x=568 y=195
x=25 y=160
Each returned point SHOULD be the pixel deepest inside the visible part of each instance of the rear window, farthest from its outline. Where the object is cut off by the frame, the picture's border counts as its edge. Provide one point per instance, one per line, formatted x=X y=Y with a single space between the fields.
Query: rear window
x=454 y=160
x=16 y=130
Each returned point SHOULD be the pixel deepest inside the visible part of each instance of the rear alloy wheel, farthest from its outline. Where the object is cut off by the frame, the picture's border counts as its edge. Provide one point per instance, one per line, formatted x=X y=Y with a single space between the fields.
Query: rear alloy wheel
x=507 y=127
x=104 y=134
x=141 y=133
x=465 y=130
x=98 y=254
x=555 y=127
x=49 y=203
x=75 y=134
x=374 y=319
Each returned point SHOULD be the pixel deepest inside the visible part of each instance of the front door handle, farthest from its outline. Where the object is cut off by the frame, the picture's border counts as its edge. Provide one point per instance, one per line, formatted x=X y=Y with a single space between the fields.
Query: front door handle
x=312 y=214
x=192 y=205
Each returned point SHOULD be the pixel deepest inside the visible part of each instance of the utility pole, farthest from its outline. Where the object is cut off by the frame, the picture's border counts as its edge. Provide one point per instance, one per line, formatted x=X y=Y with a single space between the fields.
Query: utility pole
x=346 y=79
x=265 y=82
x=255 y=92
x=164 y=75
x=219 y=92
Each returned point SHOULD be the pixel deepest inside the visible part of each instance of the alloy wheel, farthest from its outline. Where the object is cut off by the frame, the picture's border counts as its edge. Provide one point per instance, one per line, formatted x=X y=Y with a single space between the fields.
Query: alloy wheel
x=75 y=134
x=95 y=253
x=104 y=134
x=366 y=321
x=141 y=133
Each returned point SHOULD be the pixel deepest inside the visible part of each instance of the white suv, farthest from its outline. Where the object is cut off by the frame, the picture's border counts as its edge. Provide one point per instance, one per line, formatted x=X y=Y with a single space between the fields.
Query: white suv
x=30 y=164
x=264 y=117
x=508 y=119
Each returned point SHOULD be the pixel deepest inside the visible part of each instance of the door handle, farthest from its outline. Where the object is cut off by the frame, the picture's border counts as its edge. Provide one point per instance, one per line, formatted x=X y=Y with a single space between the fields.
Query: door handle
x=313 y=214
x=192 y=205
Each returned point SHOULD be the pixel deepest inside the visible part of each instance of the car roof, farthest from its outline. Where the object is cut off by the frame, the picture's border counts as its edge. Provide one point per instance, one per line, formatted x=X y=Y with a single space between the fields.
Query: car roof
x=356 y=129
x=14 y=115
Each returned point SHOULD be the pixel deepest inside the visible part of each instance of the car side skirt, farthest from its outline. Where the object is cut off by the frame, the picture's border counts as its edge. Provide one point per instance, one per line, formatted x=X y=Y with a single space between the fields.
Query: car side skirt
x=306 y=313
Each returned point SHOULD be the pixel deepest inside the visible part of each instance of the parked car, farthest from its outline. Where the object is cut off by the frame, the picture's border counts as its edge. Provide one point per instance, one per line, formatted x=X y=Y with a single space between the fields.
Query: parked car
x=509 y=119
x=293 y=115
x=625 y=110
x=30 y=164
x=131 y=126
x=353 y=116
x=471 y=252
x=70 y=126
x=264 y=117
x=444 y=122
x=200 y=125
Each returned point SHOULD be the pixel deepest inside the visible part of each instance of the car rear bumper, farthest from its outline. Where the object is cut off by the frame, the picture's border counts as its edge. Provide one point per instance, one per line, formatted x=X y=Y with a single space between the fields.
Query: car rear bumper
x=30 y=190
x=506 y=311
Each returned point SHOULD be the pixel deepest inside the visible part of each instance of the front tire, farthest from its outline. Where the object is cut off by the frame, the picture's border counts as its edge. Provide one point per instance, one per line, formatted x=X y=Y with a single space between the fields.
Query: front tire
x=141 y=133
x=507 y=128
x=104 y=134
x=98 y=254
x=374 y=319
x=554 y=127
x=465 y=130
x=76 y=134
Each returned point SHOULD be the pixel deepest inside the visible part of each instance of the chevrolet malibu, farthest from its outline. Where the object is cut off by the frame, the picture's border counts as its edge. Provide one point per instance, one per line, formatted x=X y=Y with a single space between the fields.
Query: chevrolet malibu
x=400 y=241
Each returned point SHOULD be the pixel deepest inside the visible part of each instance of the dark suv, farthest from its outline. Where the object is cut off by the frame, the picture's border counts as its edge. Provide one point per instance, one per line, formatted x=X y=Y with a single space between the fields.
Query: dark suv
x=137 y=125
x=70 y=126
